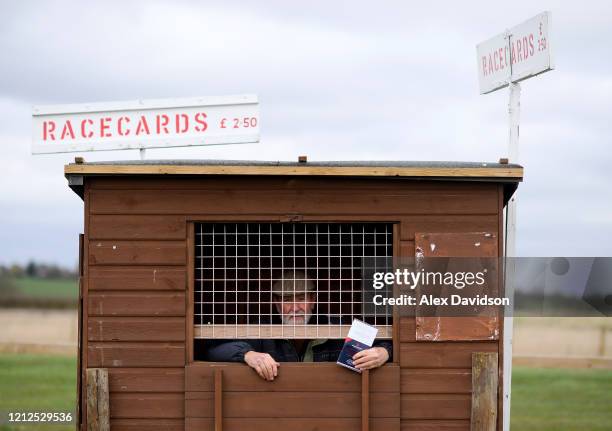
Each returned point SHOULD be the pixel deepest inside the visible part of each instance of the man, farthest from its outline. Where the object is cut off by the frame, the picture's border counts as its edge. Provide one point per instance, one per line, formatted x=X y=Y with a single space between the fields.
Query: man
x=294 y=301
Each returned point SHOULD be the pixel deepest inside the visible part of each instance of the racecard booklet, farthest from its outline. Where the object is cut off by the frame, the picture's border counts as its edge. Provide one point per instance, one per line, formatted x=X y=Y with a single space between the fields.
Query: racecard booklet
x=360 y=337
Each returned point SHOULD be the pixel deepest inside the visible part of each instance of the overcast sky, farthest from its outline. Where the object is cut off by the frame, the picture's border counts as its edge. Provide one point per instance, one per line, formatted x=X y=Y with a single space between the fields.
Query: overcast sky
x=336 y=81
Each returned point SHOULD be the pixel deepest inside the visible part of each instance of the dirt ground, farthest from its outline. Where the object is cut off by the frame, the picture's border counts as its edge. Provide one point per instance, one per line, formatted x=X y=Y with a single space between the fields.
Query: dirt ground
x=38 y=331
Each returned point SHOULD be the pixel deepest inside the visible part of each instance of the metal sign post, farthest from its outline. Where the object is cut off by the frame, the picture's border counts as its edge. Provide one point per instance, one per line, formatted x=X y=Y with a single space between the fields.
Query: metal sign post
x=504 y=60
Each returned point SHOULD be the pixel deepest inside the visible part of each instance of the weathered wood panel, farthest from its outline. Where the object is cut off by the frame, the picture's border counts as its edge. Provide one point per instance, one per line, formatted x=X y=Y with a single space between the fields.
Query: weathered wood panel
x=107 y=252
x=147 y=405
x=436 y=406
x=456 y=223
x=434 y=425
x=146 y=379
x=131 y=227
x=147 y=424
x=293 y=377
x=443 y=354
x=486 y=325
x=292 y=424
x=291 y=404
x=98 y=416
x=136 y=278
x=103 y=354
x=485 y=373
x=406 y=249
x=260 y=183
x=407 y=329
x=289 y=202
x=136 y=304
x=136 y=329
x=457 y=328
x=436 y=381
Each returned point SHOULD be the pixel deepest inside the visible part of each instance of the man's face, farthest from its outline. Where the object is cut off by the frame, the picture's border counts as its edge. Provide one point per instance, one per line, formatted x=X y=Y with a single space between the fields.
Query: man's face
x=295 y=310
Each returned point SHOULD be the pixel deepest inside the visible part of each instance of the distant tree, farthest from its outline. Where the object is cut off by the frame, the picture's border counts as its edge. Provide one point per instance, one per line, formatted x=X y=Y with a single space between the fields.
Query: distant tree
x=16 y=270
x=31 y=269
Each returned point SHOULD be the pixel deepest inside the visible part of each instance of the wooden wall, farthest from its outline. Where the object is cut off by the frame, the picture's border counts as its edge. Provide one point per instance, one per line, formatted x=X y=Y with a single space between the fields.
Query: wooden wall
x=136 y=278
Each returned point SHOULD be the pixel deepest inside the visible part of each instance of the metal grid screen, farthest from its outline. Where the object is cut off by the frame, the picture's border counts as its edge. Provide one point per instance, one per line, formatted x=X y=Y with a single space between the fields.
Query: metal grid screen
x=238 y=264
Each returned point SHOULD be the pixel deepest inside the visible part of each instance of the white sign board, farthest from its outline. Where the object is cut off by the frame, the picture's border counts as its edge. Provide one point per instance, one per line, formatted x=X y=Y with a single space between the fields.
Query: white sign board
x=145 y=124
x=521 y=52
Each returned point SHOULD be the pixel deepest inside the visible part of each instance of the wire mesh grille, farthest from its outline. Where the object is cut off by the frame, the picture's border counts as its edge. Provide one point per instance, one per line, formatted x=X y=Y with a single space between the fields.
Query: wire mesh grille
x=240 y=266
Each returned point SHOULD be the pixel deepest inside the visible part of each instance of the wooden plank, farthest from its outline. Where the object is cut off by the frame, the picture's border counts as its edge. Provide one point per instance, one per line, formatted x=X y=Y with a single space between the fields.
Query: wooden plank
x=97 y=400
x=291 y=404
x=148 y=424
x=435 y=425
x=137 y=304
x=443 y=354
x=406 y=248
x=465 y=244
x=435 y=406
x=79 y=371
x=189 y=298
x=462 y=244
x=457 y=328
x=185 y=202
x=407 y=329
x=292 y=377
x=136 y=329
x=283 y=183
x=108 y=252
x=365 y=400
x=130 y=227
x=500 y=277
x=147 y=405
x=484 y=391
x=281 y=331
x=146 y=380
x=436 y=381
x=385 y=171
x=84 y=304
x=396 y=311
x=292 y=424
x=103 y=354
x=136 y=278
x=218 y=400
x=456 y=223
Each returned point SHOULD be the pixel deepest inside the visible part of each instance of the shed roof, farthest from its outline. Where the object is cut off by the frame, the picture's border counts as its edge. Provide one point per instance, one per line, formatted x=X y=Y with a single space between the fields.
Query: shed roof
x=509 y=174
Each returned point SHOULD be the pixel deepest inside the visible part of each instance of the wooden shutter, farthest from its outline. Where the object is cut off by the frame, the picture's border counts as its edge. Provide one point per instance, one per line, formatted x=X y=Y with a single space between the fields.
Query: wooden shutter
x=320 y=396
x=485 y=325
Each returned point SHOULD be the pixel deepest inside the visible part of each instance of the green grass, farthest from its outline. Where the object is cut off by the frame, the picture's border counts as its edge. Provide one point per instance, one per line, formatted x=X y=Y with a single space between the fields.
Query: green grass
x=542 y=399
x=560 y=399
x=33 y=383
x=42 y=288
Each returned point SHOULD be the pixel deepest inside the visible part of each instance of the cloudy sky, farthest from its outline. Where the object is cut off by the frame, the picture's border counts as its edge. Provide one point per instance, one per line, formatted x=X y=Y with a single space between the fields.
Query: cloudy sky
x=335 y=80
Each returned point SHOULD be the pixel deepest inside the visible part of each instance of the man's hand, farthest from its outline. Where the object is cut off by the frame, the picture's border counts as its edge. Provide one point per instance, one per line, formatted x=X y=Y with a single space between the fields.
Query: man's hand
x=263 y=363
x=370 y=358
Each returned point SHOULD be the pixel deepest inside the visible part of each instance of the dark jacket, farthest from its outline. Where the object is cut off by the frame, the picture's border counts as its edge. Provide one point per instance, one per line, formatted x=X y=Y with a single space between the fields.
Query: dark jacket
x=282 y=350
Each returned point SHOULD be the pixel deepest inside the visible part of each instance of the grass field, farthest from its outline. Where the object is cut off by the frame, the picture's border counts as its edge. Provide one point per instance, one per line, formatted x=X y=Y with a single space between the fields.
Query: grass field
x=41 y=288
x=37 y=383
x=542 y=399
x=560 y=399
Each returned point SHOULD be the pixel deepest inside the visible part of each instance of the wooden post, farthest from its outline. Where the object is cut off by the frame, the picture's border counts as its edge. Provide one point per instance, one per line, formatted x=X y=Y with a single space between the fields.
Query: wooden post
x=98 y=413
x=218 y=400
x=484 y=391
x=365 y=400
x=601 y=351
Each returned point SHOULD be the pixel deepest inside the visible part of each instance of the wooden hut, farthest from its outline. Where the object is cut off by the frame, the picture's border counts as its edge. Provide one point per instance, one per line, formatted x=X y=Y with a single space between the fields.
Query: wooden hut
x=148 y=250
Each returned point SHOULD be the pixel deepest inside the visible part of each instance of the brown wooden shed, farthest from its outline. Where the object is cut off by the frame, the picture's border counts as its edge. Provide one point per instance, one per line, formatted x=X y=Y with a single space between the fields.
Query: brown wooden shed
x=149 y=239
